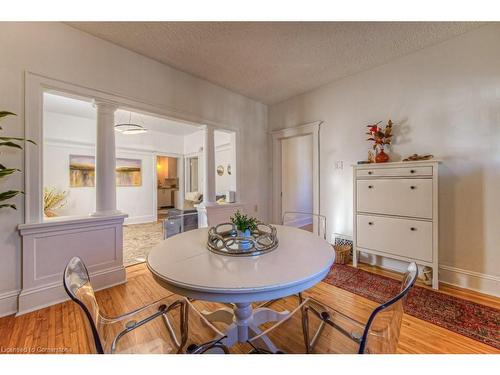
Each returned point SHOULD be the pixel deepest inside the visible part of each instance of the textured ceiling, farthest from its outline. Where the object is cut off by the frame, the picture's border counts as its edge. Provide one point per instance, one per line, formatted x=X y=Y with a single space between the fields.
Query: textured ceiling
x=272 y=61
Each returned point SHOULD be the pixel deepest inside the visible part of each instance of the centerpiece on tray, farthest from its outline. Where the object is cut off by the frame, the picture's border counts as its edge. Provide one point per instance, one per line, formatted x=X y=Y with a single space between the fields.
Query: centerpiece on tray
x=380 y=138
x=244 y=236
x=244 y=224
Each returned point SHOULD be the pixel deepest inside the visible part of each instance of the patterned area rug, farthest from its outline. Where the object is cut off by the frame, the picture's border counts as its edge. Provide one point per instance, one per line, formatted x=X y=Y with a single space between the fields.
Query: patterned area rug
x=479 y=322
x=138 y=240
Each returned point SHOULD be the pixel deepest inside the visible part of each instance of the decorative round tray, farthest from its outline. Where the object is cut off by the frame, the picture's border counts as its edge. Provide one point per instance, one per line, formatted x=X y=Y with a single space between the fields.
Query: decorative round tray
x=225 y=239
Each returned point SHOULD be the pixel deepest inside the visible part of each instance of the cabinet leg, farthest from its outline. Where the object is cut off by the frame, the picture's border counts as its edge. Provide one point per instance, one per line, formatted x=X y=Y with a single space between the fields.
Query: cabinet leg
x=435 y=278
x=354 y=258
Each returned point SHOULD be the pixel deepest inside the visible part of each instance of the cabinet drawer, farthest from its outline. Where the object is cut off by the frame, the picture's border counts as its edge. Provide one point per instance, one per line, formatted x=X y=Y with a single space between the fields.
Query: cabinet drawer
x=395 y=172
x=400 y=197
x=403 y=237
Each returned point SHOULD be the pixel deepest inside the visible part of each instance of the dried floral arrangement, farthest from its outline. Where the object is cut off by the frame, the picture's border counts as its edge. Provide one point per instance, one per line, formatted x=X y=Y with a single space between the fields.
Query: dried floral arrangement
x=380 y=137
x=53 y=199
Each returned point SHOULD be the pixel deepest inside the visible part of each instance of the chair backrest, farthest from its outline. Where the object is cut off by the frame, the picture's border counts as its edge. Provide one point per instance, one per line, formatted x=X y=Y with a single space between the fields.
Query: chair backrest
x=381 y=334
x=179 y=223
x=309 y=221
x=76 y=282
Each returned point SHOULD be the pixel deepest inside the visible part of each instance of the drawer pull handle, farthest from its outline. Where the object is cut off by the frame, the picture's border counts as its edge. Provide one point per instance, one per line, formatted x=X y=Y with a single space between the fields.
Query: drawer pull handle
x=370 y=172
x=413 y=187
x=412 y=171
x=370 y=186
x=413 y=228
x=370 y=223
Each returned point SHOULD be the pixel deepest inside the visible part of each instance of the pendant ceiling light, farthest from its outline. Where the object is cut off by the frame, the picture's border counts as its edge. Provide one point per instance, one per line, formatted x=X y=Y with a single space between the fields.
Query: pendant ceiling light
x=130 y=127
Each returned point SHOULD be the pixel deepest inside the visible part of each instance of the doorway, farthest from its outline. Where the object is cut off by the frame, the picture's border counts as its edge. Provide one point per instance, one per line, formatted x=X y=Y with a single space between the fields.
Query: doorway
x=292 y=172
x=192 y=175
x=167 y=184
x=297 y=179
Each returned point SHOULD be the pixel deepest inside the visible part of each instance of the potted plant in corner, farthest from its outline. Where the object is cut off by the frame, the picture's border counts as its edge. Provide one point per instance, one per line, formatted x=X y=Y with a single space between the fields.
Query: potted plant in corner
x=244 y=226
x=12 y=142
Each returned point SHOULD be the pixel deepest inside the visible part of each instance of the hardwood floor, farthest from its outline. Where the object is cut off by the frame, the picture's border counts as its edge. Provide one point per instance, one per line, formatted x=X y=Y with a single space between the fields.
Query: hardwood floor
x=59 y=328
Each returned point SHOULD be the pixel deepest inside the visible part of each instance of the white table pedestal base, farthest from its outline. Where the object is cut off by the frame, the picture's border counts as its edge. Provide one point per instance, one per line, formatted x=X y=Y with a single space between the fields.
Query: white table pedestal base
x=243 y=322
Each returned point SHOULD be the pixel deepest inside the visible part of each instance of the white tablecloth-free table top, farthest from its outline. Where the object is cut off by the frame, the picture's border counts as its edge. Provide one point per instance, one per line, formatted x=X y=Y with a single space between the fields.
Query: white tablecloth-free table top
x=183 y=265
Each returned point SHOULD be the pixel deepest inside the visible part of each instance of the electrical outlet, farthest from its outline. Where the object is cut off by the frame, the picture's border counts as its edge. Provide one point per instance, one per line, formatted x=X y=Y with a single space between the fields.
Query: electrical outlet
x=339 y=164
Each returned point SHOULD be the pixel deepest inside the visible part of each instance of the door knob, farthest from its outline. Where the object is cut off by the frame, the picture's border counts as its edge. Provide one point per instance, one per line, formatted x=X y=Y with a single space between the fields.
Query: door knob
x=370 y=186
x=413 y=228
x=370 y=223
x=413 y=187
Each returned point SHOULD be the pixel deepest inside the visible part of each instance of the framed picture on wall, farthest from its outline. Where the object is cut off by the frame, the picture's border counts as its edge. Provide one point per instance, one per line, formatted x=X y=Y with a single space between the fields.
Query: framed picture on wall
x=82 y=171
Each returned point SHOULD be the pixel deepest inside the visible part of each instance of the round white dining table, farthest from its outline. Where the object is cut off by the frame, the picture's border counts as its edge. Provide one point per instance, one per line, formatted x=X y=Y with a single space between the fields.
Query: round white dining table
x=184 y=265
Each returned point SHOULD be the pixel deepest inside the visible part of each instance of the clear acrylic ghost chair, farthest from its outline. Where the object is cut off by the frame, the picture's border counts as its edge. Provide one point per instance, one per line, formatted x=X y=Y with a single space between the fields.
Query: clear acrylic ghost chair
x=309 y=221
x=314 y=223
x=322 y=329
x=179 y=223
x=159 y=327
x=203 y=337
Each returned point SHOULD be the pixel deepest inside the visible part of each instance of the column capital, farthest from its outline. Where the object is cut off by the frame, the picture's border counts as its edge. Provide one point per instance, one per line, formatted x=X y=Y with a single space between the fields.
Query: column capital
x=208 y=128
x=105 y=105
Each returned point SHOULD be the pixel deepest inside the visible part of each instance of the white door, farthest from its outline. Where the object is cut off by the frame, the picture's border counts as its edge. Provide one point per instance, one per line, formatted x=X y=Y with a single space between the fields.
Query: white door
x=297 y=179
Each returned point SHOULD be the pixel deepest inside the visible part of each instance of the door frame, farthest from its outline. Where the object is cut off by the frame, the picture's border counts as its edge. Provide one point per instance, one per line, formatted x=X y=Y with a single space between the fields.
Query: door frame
x=180 y=176
x=312 y=128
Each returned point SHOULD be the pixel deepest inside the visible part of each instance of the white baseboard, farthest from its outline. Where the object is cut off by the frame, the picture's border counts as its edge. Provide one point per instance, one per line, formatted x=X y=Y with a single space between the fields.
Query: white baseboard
x=51 y=294
x=479 y=282
x=139 y=219
x=8 y=303
x=476 y=281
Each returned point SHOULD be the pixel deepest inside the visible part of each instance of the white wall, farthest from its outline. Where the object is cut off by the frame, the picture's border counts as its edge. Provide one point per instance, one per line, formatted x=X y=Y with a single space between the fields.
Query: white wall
x=224 y=155
x=445 y=100
x=66 y=135
x=223 y=183
x=58 y=51
x=296 y=178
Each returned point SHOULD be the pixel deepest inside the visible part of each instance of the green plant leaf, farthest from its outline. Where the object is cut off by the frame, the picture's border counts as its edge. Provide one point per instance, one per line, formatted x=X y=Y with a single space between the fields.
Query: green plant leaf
x=6 y=113
x=8 y=171
x=8 y=205
x=11 y=144
x=16 y=139
x=9 y=194
x=243 y=222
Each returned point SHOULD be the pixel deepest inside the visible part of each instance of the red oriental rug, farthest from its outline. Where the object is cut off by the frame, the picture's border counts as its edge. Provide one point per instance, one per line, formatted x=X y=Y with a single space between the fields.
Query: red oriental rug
x=479 y=322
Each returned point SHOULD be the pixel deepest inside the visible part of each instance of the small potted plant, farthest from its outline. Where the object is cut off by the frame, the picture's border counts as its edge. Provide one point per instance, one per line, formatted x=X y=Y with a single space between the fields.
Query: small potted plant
x=380 y=138
x=244 y=224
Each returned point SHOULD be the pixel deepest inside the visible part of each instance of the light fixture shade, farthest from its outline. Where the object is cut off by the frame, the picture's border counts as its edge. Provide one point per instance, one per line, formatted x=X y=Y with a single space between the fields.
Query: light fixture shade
x=130 y=128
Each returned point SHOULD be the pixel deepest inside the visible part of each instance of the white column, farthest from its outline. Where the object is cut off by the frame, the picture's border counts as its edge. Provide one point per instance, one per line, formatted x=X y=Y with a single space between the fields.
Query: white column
x=105 y=160
x=209 y=163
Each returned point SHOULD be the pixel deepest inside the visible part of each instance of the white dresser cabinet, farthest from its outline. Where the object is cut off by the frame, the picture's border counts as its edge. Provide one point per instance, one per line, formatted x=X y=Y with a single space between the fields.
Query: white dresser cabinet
x=396 y=212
